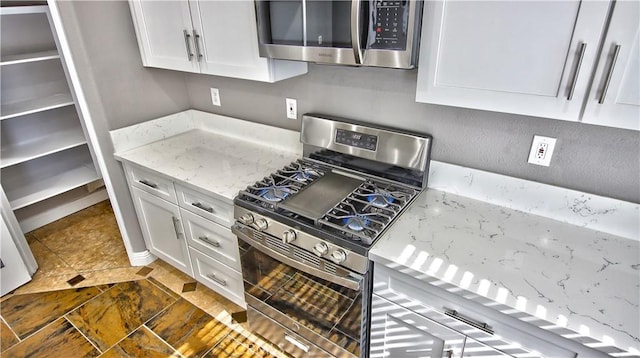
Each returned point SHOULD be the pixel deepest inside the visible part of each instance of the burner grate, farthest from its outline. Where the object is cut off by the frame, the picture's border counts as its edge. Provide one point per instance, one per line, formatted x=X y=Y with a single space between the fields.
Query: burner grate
x=282 y=184
x=368 y=210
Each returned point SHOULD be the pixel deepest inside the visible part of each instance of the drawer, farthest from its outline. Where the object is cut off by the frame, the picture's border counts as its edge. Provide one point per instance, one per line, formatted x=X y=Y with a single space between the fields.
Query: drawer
x=205 y=205
x=151 y=182
x=482 y=325
x=218 y=277
x=211 y=239
x=285 y=339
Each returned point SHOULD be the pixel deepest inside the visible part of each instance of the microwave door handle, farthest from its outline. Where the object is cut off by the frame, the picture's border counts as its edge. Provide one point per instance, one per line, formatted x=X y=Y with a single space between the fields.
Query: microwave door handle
x=355 y=31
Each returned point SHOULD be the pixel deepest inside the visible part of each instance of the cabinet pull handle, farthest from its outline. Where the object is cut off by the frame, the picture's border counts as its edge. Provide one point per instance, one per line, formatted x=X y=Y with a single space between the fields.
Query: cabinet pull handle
x=196 y=39
x=616 y=51
x=216 y=279
x=471 y=322
x=583 y=47
x=148 y=183
x=176 y=225
x=212 y=243
x=202 y=207
x=187 y=44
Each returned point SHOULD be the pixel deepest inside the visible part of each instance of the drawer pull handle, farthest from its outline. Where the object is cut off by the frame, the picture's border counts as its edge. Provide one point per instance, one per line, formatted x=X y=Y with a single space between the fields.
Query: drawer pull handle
x=206 y=239
x=296 y=343
x=202 y=207
x=176 y=225
x=216 y=279
x=148 y=183
x=471 y=322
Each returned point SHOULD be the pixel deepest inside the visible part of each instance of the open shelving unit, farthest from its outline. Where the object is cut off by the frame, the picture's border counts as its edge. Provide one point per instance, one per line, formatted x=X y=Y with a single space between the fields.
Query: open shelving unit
x=47 y=168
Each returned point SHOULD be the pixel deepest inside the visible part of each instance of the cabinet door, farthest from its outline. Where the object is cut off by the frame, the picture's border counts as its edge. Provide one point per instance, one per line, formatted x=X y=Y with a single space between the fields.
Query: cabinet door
x=13 y=271
x=164 y=33
x=398 y=332
x=162 y=229
x=619 y=104
x=522 y=57
x=228 y=41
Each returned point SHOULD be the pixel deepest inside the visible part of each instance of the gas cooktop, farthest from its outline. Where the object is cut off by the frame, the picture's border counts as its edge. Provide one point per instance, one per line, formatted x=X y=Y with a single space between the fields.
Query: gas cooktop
x=350 y=206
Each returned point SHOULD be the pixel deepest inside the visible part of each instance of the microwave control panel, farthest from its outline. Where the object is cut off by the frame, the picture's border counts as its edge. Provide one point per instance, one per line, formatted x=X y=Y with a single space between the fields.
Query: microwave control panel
x=390 y=25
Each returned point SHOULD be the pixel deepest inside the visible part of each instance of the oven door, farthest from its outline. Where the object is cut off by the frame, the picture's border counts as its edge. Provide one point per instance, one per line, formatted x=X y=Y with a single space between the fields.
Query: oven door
x=301 y=302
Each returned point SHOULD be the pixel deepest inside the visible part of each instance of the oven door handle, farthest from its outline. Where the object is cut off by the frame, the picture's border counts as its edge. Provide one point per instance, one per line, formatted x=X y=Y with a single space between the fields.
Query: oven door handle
x=342 y=281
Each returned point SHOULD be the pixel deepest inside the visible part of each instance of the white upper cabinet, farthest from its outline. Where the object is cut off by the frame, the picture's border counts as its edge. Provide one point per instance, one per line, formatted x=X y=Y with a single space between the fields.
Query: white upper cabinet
x=164 y=30
x=524 y=57
x=210 y=37
x=617 y=103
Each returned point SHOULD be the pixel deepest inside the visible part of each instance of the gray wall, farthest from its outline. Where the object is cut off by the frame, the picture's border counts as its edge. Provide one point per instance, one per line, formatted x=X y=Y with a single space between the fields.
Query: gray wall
x=593 y=159
x=118 y=90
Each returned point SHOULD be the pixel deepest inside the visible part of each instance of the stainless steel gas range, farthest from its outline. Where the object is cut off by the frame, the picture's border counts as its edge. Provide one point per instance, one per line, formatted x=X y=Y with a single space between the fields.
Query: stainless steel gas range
x=305 y=231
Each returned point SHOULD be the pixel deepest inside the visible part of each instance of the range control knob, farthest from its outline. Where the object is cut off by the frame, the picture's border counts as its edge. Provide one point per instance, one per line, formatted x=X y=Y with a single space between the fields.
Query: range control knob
x=246 y=219
x=288 y=236
x=338 y=256
x=320 y=249
x=261 y=224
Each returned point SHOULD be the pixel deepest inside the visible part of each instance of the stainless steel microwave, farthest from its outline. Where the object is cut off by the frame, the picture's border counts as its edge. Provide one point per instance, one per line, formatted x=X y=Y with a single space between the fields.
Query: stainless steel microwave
x=347 y=32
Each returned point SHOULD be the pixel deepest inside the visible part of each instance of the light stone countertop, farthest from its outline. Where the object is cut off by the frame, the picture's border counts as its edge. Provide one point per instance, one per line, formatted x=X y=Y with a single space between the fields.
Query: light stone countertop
x=212 y=162
x=569 y=276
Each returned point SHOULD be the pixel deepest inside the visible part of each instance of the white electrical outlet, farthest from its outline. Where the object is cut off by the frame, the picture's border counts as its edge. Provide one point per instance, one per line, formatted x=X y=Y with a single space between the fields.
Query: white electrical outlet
x=215 y=96
x=541 y=150
x=292 y=108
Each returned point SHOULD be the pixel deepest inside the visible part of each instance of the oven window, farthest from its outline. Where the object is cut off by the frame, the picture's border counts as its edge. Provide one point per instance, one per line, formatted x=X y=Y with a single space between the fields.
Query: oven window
x=328 y=309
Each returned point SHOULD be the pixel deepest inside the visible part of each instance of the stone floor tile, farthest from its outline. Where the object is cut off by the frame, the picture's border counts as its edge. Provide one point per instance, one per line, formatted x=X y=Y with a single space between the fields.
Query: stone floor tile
x=169 y=276
x=7 y=337
x=189 y=329
x=49 y=264
x=119 y=311
x=59 y=339
x=141 y=343
x=26 y=314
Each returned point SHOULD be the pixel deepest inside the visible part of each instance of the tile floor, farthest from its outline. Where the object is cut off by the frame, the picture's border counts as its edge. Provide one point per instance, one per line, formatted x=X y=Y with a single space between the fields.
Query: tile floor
x=87 y=301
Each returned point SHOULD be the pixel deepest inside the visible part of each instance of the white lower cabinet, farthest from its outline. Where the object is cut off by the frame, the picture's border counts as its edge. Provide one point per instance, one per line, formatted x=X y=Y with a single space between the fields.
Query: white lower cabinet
x=161 y=228
x=410 y=318
x=399 y=332
x=188 y=229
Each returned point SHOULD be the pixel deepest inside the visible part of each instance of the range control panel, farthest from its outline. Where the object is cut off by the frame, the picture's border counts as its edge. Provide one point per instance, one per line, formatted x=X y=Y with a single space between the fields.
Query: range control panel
x=358 y=140
x=390 y=25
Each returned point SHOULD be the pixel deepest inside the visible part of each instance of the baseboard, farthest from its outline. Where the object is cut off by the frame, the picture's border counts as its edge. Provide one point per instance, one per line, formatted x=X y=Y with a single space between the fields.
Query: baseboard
x=141 y=258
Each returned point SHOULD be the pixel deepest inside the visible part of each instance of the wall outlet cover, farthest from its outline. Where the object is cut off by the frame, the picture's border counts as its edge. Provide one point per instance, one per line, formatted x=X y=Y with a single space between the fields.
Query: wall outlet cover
x=541 y=150
x=215 y=97
x=292 y=108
